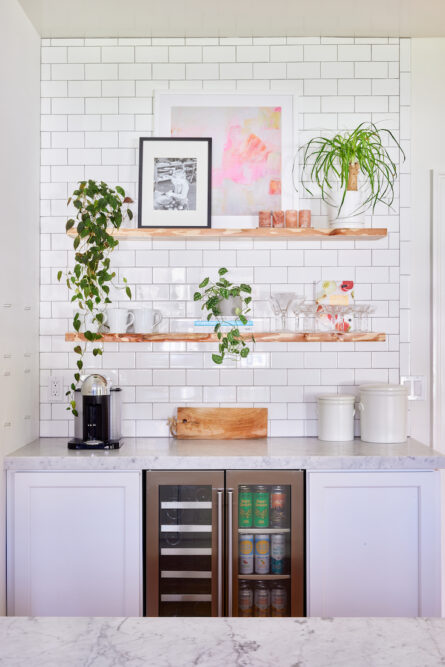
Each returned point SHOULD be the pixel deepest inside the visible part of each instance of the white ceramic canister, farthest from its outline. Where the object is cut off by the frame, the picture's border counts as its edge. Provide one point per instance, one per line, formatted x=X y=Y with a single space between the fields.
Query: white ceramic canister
x=383 y=412
x=336 y=417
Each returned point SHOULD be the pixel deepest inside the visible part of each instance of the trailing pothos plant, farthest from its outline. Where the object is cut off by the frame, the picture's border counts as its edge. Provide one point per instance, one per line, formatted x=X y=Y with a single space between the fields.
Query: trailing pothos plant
x=231 y=341
x=100 y=209
x=338 y=161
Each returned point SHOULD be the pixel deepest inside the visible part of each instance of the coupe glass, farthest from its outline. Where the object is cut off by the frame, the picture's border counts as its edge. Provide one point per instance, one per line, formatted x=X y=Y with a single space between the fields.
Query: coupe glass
x=280 y=302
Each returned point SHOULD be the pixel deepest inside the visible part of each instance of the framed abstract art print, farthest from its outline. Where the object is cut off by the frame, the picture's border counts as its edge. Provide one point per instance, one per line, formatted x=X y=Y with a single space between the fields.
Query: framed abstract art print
x=253 y=139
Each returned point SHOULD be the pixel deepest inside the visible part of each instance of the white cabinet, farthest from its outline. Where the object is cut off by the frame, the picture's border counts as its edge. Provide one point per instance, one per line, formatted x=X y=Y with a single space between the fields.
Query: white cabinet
x=74 y=544
x=373 y=541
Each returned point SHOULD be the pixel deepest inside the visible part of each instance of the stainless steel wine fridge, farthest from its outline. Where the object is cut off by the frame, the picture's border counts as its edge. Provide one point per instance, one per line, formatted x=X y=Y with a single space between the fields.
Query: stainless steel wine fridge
x=225 y=543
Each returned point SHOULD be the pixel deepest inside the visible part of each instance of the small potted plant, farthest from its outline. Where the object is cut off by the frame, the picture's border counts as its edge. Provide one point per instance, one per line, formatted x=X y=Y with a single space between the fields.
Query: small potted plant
x=222 y=299
x=99 y=210
x=353 y=171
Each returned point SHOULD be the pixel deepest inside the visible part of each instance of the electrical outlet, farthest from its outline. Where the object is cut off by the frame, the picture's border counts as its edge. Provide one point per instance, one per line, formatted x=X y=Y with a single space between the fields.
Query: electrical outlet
x=55 y=389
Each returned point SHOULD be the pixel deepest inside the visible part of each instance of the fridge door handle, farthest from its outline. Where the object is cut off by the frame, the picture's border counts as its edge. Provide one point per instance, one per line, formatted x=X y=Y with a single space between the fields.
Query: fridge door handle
x=220 y=493
x=230 y=551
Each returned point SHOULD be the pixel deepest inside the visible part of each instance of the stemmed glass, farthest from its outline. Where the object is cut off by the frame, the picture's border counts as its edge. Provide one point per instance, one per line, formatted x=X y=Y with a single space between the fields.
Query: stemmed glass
x=306 y=316
x=280 y=302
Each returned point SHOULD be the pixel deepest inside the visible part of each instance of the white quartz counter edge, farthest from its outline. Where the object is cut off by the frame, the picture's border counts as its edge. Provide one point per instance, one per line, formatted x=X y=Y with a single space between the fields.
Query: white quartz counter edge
x=270 y=453
x=214 y=642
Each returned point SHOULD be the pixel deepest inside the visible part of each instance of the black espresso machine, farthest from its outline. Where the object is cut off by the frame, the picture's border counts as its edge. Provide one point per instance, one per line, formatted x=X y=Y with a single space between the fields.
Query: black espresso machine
x=98 y=423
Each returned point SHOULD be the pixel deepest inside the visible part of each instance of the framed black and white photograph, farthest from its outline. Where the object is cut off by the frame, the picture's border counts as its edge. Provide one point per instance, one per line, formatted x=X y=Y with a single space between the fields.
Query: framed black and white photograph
x=175 y=182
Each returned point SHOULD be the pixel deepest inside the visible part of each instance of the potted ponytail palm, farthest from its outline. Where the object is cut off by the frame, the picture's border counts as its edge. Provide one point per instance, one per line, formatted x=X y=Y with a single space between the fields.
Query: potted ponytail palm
x=354 y=171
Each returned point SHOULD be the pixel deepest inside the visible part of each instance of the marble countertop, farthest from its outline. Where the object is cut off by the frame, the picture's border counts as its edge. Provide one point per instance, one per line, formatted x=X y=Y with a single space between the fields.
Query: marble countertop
x=268 y=453
x=214 y=642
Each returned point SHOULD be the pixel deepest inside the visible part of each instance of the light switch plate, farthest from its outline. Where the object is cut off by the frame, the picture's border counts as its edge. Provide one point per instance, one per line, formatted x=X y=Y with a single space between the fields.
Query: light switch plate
x=416 y=385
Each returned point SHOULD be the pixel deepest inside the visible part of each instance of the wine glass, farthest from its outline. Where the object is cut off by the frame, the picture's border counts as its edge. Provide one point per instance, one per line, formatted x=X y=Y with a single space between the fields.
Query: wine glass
x=280 y=302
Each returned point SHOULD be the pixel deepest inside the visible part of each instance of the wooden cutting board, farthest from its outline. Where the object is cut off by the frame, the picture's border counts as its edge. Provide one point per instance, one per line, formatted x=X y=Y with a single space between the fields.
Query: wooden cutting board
x=221 y=423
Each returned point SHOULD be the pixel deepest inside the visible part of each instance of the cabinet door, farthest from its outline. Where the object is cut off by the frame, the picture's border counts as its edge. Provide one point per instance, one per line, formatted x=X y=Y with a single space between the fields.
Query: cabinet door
x=373 y=541
x=74 y=544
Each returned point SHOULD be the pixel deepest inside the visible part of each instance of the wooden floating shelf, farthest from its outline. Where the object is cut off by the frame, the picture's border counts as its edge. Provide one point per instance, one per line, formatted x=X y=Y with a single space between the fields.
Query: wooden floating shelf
x=298 y=233
x=260 y=337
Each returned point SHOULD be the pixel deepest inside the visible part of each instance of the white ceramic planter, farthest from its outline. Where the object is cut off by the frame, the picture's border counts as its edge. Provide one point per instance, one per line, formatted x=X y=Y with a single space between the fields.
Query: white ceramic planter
x=348 y=215
x=228 y=306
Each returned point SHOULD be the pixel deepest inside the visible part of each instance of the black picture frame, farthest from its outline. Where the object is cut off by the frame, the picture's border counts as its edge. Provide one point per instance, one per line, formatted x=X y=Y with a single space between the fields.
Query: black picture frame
x=205 y=211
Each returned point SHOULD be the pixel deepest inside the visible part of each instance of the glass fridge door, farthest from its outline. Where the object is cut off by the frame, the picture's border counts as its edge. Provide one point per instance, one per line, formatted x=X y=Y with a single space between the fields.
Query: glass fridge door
x=265 y=538
x=184 y=544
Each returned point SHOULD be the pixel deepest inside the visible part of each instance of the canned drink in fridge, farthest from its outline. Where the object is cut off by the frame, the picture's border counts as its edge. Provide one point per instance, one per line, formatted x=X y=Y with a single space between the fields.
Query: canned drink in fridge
x=245 y=507
x=246 y=554
x=262 y=554
x=245 y=600
x=278 y=502
x=278 y=600
x=261 y=499
x=261 y=600
x=277 y=553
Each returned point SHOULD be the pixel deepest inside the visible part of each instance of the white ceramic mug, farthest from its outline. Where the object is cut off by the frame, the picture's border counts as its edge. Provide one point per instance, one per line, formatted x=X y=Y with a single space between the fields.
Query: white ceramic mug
x=118 y=320
x=146 y=319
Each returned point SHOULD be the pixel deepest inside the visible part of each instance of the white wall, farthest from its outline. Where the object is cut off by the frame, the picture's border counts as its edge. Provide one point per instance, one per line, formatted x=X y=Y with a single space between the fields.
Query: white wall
x=428 y=152
x=19 y=247
x=97 y=100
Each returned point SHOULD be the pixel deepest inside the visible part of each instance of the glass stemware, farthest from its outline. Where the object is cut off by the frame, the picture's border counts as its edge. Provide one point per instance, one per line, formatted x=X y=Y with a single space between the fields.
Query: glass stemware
x=280 y=302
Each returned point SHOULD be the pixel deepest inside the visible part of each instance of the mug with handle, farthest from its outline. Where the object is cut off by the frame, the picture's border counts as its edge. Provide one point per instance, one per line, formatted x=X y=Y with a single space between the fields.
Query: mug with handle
x=118 y=320
x=146 y=319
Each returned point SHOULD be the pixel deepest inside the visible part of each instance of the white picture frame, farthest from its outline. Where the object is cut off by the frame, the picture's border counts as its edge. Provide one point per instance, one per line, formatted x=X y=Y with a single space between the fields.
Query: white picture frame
x=165 y=101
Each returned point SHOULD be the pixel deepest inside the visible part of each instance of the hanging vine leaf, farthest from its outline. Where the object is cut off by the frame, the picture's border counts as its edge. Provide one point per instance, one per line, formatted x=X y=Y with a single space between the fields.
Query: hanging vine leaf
x=98 y=207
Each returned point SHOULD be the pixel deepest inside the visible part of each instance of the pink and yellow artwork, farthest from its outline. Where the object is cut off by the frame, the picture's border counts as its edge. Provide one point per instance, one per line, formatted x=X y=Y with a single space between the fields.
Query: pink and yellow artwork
x=246 y=154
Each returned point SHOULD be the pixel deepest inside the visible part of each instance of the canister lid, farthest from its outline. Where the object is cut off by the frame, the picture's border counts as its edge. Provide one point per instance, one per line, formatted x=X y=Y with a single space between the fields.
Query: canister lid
x=336 y=398
x=385 y=389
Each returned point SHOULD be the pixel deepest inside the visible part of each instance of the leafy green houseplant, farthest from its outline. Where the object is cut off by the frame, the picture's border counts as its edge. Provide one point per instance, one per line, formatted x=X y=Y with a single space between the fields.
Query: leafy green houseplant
x=335 y=164
x=99 y=209
x=213 y=295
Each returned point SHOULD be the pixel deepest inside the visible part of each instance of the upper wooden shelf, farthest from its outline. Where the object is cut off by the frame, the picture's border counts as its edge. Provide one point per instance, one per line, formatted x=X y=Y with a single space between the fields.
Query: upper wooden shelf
x=297 y=233
x=261 y=336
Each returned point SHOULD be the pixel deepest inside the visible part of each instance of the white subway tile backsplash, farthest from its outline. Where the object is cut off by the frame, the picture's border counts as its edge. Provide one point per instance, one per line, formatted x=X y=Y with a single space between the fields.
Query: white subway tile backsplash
x=320 y=53
x=84 y=54
x=117 y=54
x=355 y=53
x=235 y=70
x=371 y=70
x=67 y=72
x=385 y=52
x=219 y=54
x=98 y=100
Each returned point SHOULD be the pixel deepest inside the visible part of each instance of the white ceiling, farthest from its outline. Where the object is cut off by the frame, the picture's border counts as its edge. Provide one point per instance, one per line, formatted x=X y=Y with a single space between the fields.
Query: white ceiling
x=204 y=18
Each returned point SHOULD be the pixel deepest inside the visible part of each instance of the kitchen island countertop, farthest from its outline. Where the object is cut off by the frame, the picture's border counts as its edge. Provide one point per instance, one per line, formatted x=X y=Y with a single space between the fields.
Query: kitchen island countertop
x=219 y=642
x=268 y=453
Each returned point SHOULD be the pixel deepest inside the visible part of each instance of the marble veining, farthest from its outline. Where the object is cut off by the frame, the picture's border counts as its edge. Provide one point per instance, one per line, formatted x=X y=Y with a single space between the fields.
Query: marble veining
x=222 y=642
x=267 y=453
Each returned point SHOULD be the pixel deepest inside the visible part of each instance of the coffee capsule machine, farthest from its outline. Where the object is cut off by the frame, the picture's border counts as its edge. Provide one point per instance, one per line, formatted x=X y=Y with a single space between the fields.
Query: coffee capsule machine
x=98 y=423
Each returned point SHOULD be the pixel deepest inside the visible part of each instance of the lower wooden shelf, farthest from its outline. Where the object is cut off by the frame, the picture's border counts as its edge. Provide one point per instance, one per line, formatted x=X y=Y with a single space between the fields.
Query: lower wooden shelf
x=261 y=577
x=260 y=337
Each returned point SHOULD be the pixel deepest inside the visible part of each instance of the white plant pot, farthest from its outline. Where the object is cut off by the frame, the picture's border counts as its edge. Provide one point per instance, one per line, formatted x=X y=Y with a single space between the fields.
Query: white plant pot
x=228 y=306
x=348 y=215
